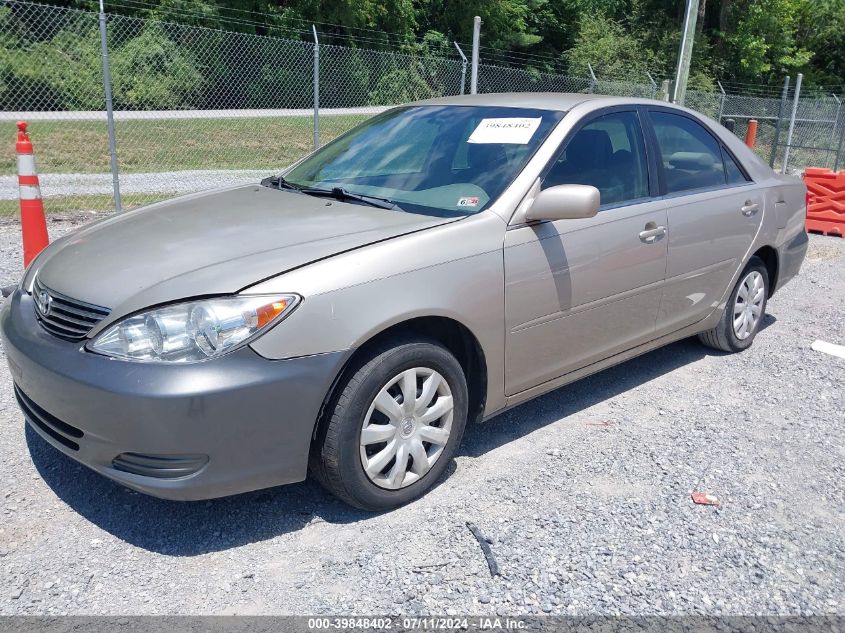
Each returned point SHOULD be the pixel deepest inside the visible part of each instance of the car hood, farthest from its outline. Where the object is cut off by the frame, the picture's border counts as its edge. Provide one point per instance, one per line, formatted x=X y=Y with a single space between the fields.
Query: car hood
x=212 y=243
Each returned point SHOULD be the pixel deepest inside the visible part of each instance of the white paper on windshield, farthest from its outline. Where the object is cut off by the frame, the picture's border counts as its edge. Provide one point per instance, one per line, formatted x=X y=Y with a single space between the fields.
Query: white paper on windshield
x=513 y=130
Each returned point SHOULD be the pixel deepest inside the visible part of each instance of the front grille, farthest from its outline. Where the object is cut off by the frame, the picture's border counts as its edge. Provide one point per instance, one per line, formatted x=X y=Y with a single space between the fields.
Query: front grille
x=62 y=432
x=63 y=316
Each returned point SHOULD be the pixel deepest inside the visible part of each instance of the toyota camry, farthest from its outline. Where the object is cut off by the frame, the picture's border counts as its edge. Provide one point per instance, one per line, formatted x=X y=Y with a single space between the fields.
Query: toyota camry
x=436 y=265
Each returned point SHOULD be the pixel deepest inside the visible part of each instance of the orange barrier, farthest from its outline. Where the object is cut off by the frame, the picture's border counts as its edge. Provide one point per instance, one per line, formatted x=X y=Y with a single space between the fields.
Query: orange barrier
x=825 y=201
x=33 y=222
x=751 y=133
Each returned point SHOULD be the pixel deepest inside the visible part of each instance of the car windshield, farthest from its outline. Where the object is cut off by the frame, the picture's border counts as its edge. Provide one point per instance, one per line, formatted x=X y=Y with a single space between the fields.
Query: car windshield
x=438 y=160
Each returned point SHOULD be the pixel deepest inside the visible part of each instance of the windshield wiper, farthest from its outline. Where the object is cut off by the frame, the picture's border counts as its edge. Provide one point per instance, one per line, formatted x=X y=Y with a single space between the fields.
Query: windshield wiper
x=279 y=182
x=339 y=193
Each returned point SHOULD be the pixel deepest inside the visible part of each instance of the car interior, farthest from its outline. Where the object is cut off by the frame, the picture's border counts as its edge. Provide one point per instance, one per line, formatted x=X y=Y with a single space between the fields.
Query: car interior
x=692 y=170
x=589 y=159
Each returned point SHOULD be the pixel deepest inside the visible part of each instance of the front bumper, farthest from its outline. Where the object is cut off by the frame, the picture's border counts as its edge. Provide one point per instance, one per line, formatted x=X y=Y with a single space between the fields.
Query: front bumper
x=252 y=418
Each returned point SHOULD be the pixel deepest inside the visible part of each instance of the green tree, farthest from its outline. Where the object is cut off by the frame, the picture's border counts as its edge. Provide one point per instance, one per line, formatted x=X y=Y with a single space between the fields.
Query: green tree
x=764 y=43
x=613 y=53
x=741 y=40
x=822 y=31
x=505 y=23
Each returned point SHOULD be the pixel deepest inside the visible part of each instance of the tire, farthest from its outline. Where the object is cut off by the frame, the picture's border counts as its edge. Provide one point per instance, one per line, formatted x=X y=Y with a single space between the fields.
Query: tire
x=338 y=459
x=725 y=336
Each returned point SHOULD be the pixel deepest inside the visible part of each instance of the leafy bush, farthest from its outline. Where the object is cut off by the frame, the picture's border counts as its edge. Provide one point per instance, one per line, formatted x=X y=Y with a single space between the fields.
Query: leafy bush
x=151 y=72
x=61 y=73
x=280 y=86
x=344 y=77
x=65 y=71
x=400 y=86
x=611 y=50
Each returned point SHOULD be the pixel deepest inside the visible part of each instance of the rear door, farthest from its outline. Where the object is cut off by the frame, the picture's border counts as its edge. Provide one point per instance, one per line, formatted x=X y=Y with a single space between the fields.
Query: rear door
x=578 y=291
x=714 y=211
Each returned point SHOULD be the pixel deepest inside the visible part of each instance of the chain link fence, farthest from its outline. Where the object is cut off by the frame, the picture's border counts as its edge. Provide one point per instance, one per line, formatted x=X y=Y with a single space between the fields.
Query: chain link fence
x=196 y=108
x=44 y=72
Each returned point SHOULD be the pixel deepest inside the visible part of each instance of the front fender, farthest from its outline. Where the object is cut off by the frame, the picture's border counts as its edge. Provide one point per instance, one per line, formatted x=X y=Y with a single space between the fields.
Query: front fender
x=453 y=271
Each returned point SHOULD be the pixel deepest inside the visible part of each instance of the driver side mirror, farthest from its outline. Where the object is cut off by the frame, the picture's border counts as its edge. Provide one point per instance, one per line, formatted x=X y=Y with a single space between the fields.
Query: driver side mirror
x=564 y=202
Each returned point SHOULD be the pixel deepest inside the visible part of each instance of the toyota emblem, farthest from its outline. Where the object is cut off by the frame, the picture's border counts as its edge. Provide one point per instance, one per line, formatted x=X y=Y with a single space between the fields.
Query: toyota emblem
x=45 y=303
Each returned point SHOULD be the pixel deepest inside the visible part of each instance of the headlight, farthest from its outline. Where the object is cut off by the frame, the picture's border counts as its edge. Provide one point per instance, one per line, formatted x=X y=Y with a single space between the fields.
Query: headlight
x=192 y=331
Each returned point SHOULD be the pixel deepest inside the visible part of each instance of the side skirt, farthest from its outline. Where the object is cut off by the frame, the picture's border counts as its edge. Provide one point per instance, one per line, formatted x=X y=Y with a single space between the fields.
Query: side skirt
x=551 y=385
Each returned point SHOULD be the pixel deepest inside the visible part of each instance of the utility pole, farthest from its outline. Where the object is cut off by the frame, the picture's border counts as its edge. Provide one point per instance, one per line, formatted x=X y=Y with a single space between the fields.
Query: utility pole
x=685 y=52
x=476 y=37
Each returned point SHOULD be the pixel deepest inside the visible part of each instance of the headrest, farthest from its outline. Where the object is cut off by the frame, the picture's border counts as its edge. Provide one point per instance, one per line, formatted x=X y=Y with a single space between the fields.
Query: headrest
x=691 y=161
x=590 y=148
x=486 y=155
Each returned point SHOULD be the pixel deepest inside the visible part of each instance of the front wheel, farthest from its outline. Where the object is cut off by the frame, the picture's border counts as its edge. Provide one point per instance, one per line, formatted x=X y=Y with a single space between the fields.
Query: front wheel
x=394 y=427
x=744 y=311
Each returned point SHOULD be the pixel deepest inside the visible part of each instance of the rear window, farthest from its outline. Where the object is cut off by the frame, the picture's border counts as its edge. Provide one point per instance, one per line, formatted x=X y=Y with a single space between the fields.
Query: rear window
x=733 y=173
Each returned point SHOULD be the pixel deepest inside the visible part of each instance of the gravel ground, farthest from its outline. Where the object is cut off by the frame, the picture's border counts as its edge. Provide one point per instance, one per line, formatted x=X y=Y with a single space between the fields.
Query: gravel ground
x=173 y=182
x=583 y=493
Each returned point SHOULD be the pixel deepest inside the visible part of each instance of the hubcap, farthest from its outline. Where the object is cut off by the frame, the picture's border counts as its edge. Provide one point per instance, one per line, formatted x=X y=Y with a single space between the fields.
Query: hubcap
x=406 y=428
x=748 y=307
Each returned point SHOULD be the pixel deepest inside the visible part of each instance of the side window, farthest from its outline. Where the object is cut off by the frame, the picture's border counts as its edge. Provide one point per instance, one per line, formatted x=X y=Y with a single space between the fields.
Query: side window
x=733 y=173
x=607 y=153
x=692 y=158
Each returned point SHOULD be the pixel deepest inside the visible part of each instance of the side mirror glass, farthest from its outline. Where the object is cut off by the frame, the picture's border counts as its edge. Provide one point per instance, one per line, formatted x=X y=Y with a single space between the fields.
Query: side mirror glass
x=564 y=202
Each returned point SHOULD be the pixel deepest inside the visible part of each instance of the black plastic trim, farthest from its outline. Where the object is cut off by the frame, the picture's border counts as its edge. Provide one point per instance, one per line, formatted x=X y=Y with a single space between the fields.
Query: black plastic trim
x=159 y=466
x=51 y=425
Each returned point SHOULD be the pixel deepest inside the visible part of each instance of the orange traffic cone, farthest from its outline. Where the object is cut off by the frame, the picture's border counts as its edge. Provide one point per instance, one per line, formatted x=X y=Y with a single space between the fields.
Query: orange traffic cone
x=33 y=222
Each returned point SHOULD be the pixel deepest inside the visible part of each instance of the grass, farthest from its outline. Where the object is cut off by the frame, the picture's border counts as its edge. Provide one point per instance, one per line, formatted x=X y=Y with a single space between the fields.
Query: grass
x=82 y=204
x=261 y=143
x=173 y=145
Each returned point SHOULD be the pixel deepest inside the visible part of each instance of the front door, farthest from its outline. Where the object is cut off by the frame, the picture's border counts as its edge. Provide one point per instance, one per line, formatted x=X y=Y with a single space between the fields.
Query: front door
x=714 y=212
x=578 y=291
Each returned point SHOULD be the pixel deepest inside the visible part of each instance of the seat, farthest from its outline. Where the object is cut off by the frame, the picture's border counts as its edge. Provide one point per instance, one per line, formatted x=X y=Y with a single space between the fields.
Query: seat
x=487 y=163
x=589 y=161
x=693 y=170
x=622 y=164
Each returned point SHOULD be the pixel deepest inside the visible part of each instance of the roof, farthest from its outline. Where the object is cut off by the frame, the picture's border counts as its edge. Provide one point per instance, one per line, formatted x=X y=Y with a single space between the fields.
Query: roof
x=561 y=101
x=565 y=101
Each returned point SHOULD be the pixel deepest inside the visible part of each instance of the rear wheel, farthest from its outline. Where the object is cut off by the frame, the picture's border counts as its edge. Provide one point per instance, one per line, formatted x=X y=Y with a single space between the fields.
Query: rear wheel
x=744 y=311
x=394 y=427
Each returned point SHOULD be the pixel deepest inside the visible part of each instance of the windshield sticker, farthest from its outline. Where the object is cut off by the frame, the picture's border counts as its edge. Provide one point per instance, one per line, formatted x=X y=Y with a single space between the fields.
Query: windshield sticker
x=471 y=201
x=514 y=131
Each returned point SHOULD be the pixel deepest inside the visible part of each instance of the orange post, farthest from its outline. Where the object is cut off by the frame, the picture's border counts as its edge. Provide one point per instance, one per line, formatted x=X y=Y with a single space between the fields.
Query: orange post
x=33 y=222
x=751 y=133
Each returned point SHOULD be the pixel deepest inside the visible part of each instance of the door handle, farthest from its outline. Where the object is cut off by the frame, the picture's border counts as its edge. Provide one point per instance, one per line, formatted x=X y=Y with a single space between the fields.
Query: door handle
x=750 y=208
x=650 y=235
